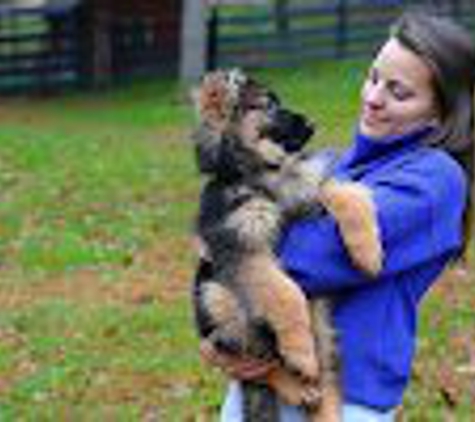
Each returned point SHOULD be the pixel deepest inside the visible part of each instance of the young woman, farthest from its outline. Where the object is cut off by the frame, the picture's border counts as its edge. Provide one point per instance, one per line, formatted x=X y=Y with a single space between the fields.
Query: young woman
x=414 y=148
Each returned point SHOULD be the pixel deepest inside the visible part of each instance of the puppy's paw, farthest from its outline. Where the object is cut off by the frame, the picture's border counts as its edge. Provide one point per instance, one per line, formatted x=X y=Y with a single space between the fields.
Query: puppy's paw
x=293 y=391
x=302 y=366
x=352 y=206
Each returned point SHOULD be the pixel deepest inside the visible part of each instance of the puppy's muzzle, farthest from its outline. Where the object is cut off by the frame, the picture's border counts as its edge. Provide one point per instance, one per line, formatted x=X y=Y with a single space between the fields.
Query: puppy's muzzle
x=290 y=130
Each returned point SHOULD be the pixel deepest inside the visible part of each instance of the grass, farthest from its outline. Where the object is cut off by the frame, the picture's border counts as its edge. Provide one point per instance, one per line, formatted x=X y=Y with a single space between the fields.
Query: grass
x=83 y=189
x=98 y=192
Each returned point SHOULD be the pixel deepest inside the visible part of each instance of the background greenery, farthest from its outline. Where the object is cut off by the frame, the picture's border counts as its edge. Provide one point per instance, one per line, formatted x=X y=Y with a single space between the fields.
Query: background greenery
x=97 y=198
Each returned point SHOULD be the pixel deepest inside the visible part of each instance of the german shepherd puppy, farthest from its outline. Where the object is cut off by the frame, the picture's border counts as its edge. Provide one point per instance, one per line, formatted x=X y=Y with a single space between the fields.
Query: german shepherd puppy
x=250 y=150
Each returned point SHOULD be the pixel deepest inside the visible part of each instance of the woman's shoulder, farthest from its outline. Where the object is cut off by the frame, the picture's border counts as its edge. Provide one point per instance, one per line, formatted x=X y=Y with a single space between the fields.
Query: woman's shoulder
x=440 y=165
x=426 y=162
x=430 y=172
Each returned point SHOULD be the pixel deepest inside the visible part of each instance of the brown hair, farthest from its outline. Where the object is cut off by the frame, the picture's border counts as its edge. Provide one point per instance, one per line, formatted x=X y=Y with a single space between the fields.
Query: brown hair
x=449 y=50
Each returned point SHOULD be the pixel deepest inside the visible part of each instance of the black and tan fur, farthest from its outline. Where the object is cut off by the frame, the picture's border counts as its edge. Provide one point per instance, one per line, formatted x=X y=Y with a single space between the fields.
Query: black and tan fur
x=249 y=149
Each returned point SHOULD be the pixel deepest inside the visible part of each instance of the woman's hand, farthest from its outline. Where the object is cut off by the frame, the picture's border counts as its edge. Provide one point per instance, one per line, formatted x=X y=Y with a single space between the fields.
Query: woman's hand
x=238 y=367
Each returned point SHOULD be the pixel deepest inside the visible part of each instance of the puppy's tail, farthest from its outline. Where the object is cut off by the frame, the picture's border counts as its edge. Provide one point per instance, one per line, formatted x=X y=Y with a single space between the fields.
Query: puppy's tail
x=259 y=403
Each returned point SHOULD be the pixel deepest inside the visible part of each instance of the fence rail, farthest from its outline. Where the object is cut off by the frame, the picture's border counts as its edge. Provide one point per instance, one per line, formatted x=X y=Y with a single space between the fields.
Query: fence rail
x=50 y=48
x=37 y=47
x=257 y=36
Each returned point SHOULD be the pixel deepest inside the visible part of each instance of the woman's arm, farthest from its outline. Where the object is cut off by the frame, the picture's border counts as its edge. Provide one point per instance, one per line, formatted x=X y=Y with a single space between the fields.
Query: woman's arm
x=245 y=368
x=419 y=208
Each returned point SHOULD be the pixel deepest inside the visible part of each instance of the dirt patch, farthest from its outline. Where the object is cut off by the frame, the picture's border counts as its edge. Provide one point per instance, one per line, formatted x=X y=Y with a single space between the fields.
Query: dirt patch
x=153 y=276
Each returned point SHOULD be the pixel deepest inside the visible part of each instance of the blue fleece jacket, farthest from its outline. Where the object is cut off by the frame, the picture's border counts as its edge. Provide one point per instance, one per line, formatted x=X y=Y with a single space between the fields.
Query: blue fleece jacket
x=419 y=194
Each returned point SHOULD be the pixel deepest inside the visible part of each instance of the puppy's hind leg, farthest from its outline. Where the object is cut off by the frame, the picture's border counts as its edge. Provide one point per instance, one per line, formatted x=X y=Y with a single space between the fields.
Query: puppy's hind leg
x=329 y=409
x=278 y=300
x=230 y=325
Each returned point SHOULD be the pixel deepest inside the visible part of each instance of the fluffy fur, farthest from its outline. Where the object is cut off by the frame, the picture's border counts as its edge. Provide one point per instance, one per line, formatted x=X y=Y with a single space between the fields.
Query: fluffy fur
x=249 y=150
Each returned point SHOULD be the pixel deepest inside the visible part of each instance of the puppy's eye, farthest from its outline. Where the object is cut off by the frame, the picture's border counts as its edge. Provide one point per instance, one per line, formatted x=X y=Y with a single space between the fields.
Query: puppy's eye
x=254 y=106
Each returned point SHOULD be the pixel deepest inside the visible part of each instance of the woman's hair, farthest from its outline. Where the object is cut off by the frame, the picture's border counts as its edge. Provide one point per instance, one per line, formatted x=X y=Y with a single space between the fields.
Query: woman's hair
x=449 y=51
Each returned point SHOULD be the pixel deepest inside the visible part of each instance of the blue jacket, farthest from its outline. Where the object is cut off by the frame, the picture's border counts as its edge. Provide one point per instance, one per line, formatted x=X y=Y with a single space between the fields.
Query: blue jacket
x=420 y=195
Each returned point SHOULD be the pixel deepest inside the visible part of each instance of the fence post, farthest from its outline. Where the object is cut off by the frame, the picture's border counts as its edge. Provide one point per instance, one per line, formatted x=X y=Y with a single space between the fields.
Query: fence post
x=212 y=38
x=193 y=41
x=282 y=20
x=456 y=9
x=341 y=28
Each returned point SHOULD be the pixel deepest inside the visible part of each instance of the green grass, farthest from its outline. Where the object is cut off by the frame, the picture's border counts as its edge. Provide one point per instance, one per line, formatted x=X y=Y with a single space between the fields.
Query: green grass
x=80 y=188
x=97 y=197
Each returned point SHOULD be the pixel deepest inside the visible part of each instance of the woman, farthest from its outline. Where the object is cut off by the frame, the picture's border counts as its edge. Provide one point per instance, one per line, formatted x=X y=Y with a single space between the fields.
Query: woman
x=414 y=148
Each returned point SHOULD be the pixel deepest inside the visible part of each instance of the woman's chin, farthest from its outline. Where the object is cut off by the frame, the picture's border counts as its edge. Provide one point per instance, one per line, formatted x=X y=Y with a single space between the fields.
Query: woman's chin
x=372 y=131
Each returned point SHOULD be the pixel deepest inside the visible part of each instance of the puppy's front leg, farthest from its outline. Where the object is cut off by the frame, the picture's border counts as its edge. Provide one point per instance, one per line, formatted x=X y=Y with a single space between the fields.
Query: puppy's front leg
x=352 y=206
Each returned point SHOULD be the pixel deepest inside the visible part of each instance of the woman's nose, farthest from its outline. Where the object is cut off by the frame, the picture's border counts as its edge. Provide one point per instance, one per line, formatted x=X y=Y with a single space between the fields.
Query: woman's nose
x=374 y=95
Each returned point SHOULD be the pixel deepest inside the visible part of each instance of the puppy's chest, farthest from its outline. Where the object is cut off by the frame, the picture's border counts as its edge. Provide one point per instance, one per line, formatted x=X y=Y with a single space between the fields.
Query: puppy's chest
x=219 y=200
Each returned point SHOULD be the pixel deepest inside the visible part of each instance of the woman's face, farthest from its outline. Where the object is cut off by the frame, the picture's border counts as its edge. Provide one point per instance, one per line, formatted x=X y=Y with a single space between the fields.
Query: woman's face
x=398 y=94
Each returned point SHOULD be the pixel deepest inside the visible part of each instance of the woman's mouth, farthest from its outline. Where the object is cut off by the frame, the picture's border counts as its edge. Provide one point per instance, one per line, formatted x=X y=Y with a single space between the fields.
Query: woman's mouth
x=372 y=119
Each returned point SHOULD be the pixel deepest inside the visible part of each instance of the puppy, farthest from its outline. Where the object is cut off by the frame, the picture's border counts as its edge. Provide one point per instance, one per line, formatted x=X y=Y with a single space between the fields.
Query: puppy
x=249 y=149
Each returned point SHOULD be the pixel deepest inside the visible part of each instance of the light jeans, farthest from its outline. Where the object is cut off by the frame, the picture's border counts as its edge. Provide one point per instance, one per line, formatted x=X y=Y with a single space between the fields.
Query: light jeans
x=231 y=410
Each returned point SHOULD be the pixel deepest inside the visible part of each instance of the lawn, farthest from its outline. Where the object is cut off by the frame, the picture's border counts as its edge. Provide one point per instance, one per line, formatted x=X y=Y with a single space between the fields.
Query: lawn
x=97 y=197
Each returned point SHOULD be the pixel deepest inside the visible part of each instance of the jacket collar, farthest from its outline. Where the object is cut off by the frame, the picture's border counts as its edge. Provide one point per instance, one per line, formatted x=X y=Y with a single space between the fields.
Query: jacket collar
x=366 y=149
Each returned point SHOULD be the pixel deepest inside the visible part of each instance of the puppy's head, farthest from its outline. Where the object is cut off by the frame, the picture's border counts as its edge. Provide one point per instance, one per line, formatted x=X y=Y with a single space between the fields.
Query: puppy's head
x=236 y=112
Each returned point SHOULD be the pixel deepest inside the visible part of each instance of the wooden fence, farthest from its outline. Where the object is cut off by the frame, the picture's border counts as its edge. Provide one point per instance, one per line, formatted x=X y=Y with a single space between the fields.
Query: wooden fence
x=264 y=36
x=130 y=38
x=49 y=48
x=38 y=48
x=54 y=47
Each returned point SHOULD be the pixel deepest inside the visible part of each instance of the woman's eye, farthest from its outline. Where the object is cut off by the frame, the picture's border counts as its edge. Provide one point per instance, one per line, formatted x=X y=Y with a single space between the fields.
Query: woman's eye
x=399 y=91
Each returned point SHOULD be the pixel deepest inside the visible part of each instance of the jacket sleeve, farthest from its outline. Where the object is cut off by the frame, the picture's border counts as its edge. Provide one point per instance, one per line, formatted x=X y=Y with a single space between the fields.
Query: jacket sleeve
x=419 y=210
